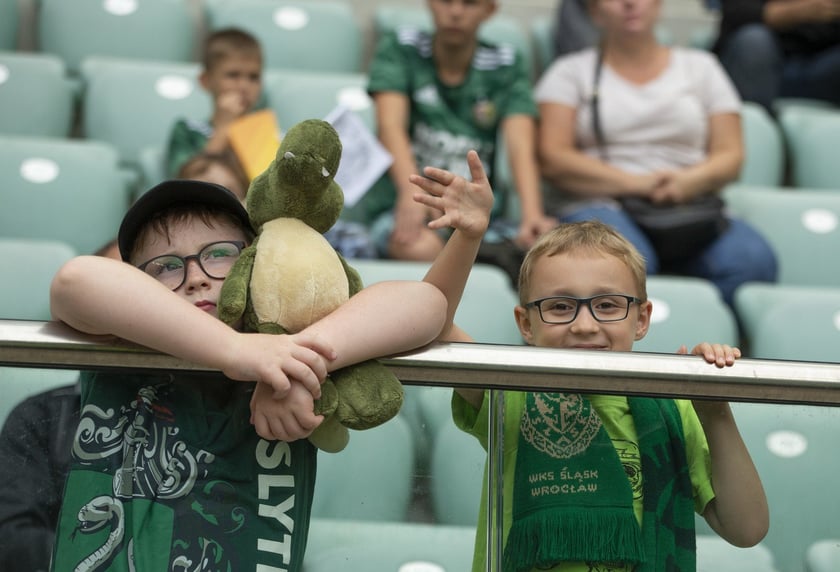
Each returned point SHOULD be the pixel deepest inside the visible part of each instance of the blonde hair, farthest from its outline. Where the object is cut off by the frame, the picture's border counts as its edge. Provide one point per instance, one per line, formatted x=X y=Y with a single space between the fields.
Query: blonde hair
x=227 y=42
x=587 y=236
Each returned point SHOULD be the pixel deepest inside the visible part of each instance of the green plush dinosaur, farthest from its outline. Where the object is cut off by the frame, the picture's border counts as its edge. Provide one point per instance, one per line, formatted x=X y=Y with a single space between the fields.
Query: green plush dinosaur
x=291 y=276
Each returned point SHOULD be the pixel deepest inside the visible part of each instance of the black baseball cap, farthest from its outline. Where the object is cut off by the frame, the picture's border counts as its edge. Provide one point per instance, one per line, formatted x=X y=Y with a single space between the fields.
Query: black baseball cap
x=172 y=193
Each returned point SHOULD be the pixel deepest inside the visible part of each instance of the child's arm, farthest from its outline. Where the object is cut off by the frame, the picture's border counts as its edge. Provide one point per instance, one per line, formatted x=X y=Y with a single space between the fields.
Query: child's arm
x=102 y=296
x=739 y=512
x=520 y=141
x=286 y=419
x=466 y=208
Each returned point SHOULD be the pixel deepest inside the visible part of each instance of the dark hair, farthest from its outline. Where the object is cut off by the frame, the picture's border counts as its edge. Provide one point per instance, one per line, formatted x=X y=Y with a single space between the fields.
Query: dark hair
x=197 y=165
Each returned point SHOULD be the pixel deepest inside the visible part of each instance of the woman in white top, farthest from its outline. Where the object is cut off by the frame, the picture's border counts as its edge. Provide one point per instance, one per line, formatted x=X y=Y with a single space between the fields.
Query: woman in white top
x=670 y=129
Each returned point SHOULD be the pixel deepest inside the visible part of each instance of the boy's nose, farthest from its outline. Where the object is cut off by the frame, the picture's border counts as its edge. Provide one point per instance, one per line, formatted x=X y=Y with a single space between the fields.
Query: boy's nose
x=585 y=321
x=195 y=276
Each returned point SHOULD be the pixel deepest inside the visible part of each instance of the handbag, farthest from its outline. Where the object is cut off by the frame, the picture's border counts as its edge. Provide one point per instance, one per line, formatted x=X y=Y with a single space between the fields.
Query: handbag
x=676 y=230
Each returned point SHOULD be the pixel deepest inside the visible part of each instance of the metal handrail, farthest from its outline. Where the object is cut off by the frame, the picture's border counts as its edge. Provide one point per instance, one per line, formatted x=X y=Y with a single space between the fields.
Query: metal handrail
x=57 y=346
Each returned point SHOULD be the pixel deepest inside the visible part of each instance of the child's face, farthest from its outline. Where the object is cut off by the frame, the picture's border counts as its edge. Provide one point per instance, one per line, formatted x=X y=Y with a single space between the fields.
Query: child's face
x=236 y=74
x=582 y=275
x=457 y=21
x=187 y=238
x=625 y=16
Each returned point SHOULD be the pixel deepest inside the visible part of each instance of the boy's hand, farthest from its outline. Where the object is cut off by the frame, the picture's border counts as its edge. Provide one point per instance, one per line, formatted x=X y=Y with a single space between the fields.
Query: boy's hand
x=277 y=359
x=283 y=419
x=230 y=106
x=721 y=355
x=465 y=205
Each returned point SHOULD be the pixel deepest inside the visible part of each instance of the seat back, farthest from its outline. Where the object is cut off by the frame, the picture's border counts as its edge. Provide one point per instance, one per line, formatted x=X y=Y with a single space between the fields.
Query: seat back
x=457 y=471
x=794 y=448
x=9 y=24
x=25 y=277
x=66 y=190
x=800 y=225
x=316 y=35
x=813 y=137
x=487 y=288
x=371 y=479
x=18 y=383
x=764 y=149
x=686 y=311
x=39 y=80
x=133 y=105
x=151 y=29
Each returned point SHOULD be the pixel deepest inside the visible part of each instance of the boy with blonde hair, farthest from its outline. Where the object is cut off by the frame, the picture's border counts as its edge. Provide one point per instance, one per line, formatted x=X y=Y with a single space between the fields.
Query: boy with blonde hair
x=232 y=76
x=599 y=482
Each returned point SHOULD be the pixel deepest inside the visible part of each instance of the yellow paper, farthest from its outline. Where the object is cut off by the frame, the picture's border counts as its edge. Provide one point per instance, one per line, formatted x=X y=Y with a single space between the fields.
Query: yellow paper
x=255 y=138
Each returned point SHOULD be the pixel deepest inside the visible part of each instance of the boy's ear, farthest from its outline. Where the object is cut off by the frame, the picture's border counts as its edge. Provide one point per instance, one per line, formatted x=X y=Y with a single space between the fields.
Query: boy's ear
x=523 y=322
x=203 y=79
x=643 y=323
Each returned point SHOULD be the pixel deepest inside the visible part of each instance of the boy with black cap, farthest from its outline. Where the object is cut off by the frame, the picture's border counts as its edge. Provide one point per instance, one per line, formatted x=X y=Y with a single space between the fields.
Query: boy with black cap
x=167 y=468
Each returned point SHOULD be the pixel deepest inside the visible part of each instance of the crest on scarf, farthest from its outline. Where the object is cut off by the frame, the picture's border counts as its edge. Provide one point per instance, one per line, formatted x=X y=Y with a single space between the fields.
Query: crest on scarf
x=560 y=425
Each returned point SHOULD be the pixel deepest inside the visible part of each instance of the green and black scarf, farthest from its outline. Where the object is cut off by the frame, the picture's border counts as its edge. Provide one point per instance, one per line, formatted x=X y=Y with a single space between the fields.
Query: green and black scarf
x=572 y=500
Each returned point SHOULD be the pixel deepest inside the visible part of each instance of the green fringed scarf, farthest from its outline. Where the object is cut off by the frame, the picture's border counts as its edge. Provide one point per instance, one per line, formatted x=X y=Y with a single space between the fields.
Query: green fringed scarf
x=572 y=500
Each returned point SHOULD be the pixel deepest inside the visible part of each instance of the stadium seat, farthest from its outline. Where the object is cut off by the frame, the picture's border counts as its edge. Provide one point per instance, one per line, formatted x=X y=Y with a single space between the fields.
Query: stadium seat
x=793 y=323
x=823 y=556
x=457 y=472
x=686 y=311
x=66 y=190
x=369 y=480
x=18 y=383
x=801 y=226
x=351 y=546
x=487 y=287
x=36 y=97
x=764 y=157
x=151 y=165
x=500 y=29
x=794 y=448
x=27 y=272
x=147 y=29
x=9 y=24
x=714 y=554
x=317 y=35
x=813 y=137
x=298 y=95
x=133 y=104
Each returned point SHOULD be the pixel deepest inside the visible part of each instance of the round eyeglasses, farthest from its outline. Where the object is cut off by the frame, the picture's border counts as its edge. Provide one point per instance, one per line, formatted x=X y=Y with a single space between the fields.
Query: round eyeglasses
x=564 y=309
x=215 y=260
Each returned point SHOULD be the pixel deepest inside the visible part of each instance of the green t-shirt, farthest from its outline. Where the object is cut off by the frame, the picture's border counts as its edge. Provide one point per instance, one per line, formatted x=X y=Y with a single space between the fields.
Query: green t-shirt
x=187 y=139
x=168 y=472
x=614 y=412
x=447 y=121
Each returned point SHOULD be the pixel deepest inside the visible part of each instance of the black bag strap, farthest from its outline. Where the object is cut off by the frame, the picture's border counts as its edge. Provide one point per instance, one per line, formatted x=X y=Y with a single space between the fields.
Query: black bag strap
x=594 y=102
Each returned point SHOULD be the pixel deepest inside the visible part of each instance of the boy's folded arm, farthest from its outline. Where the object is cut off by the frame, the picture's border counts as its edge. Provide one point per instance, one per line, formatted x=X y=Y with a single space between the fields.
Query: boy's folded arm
x=287 y=419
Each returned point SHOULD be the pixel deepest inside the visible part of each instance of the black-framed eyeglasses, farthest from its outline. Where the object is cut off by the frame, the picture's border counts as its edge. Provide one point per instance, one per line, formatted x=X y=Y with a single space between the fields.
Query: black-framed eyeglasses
x=564 y=309
x=215 y=260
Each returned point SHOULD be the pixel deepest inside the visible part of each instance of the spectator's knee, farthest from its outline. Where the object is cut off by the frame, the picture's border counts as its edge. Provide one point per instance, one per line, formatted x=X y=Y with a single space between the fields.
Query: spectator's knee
x=753 y=45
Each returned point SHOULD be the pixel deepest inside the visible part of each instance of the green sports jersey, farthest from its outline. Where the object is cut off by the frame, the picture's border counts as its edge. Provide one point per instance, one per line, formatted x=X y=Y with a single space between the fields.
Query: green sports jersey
x=447 y=121
x=167 y=472
x=187 y=139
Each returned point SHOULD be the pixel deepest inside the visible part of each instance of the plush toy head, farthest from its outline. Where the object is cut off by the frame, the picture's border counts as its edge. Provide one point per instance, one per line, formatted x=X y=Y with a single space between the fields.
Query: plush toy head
x=299 y=183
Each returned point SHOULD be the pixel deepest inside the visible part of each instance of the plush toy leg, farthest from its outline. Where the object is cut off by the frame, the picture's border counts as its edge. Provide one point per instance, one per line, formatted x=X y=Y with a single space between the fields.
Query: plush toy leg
x=368 y=395
x=330 y=436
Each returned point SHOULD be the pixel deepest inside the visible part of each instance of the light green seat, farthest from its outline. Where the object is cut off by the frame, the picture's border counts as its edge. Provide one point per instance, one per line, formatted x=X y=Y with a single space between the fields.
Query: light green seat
x=487 y=288
x=151 y=163
x=26 y=274
x=823 y=556
x=133 y=104
x=369 y=480
x=499 y=29
x=67 y=190
x=801 y=226
x=316 y=35
x=813 y=138
x=348 y=546
x=9 y=24
x=297 y=95
x=764 y=159
x=686 y=311
x=794 y=448
x=18 y=383
x=457 y=471
x=36 y=97
x=147 y=29
x=714 y=554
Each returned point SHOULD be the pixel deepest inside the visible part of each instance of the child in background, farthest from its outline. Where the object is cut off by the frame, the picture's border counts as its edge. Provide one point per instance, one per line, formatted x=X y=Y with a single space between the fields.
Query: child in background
x=232 y=75
x=598 y=482
x=174 y=468
x=219 y=168
x=438 y=95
